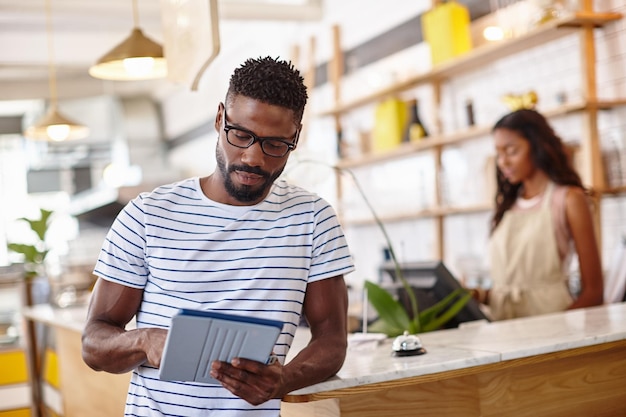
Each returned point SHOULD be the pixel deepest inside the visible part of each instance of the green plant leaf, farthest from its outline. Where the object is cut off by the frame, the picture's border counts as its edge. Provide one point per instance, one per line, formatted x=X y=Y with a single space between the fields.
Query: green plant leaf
x=30 y=252
x=392 y=315
x=40 y=226
x=432 y=312
x=446 y=309
x=34 y=254
x=381 y=326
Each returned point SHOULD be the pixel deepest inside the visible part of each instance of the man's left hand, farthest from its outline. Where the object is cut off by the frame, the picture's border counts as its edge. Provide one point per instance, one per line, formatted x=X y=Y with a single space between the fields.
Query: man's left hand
x=250 y=380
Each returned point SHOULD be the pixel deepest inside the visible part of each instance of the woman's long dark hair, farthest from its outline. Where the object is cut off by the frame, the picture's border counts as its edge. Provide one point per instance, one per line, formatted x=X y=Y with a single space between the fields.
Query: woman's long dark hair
x=547 y=153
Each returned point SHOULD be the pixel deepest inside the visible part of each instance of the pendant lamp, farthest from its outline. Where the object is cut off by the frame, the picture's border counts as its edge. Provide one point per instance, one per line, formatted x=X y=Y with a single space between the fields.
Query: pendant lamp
x=136 y=58
x=53 y=125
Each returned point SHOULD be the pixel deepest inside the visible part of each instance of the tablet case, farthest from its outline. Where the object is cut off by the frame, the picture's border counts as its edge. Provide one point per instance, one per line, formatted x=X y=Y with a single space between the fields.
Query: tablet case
x=196 y=338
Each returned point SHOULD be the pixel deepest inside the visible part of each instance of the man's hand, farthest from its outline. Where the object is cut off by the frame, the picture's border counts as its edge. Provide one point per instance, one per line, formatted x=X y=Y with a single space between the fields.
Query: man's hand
x=154 y=345
x=325 y=308
x=106 y=344
x=250 y=380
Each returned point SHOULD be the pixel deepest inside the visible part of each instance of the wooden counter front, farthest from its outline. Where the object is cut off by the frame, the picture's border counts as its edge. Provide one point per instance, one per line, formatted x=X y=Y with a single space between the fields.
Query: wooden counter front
x=590 y=382
x=564 y=364
x=84 y=391
x=567 y=364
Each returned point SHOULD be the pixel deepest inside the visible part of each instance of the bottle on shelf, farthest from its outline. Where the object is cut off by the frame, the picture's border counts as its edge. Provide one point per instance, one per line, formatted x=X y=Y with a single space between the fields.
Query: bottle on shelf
x=469 y=112
x=415 y=129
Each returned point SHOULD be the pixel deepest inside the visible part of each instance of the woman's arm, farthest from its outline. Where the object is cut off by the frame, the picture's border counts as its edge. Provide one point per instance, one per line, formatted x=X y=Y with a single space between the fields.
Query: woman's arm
x=580 y=223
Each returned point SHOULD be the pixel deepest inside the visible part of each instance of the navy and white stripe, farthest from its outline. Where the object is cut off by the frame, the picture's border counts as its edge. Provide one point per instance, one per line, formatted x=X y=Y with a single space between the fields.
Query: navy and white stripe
x=186 y=251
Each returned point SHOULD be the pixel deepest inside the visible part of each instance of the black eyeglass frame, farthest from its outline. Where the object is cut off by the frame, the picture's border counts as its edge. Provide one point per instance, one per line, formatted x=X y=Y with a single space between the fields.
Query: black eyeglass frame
x=255 y=138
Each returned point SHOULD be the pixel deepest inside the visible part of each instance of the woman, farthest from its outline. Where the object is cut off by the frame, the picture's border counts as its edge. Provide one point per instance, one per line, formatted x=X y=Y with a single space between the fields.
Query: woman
x=542 y=216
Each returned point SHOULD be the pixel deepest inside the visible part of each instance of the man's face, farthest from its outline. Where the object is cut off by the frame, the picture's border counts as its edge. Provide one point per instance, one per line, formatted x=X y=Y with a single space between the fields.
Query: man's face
x=248 y=173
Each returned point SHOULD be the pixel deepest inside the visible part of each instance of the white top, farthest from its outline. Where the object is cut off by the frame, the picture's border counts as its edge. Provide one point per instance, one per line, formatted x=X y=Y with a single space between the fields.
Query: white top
x=186 y=251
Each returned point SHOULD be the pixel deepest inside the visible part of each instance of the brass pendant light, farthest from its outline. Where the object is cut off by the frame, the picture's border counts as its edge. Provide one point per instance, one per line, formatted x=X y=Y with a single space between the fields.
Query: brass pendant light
x=136 y=58
x=56 y=127
x=53 y=125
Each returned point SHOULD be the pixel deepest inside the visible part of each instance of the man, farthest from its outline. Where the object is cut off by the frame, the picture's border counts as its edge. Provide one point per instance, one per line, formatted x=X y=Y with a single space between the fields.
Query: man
x=239 y=241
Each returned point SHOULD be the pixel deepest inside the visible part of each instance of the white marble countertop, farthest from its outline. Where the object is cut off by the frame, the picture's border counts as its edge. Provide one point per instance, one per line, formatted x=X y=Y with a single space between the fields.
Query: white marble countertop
x=473 y=344
x=478 y=344
x=71 y=318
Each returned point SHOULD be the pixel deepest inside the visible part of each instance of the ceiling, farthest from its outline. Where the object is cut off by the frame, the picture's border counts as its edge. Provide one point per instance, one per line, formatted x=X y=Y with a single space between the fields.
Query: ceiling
x=84 y=30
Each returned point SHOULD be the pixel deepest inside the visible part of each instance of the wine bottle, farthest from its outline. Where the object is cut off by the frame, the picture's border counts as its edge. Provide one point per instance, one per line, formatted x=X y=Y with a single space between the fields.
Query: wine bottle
x=469 y=112
x=415 y=129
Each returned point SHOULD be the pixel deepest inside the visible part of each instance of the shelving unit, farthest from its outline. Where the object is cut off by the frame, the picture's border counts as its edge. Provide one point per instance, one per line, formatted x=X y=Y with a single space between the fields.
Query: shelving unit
x=482 y=56
x=459 y=136
x=616 y=190
x=426 y=213
x=584 y=22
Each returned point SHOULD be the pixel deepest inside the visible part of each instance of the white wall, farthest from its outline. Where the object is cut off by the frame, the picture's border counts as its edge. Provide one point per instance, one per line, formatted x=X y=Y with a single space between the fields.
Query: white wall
x=550 y=69
x=184 y=110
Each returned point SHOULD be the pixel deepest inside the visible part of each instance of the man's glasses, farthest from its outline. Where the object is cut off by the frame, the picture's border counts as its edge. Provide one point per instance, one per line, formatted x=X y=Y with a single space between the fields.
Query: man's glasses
x=243 y=138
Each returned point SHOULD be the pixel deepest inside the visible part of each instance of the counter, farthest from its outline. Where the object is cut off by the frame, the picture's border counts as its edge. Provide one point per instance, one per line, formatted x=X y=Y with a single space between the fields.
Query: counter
x=84 y=392
x=571 y=363
x=565 y=364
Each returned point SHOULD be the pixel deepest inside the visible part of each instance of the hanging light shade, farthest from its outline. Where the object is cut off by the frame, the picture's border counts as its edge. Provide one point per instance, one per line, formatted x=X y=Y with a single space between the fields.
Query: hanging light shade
x=56 y=127
x=136 y=58
x=53 y=125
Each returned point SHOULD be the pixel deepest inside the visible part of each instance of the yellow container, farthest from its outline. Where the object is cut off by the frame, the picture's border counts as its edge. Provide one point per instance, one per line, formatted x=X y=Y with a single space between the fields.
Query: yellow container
x=13 y=367
x=391 y=119
x=446 y=28
x=21 y=412
x=51 y=372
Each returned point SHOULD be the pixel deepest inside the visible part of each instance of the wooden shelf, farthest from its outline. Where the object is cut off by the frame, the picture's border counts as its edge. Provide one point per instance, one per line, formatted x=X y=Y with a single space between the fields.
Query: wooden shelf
x=582 y=23
x=482 y=56
x=422 y=214
x=406 y=150
x=614 y=190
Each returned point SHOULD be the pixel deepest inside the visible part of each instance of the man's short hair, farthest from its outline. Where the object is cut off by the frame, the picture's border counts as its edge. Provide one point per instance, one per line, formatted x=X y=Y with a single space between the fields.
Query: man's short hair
x=271 y=81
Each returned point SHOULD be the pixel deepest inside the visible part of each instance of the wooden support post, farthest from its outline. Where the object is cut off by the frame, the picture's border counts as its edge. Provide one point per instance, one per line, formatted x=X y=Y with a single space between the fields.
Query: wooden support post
x=438 y=129
x=295 y=55
x=439 y=204
x=335 y=72
x=309 y=82
x=592 y=165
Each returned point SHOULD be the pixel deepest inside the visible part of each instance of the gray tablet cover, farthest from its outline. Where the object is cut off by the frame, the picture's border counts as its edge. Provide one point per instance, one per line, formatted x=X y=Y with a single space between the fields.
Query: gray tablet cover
x=196 y=338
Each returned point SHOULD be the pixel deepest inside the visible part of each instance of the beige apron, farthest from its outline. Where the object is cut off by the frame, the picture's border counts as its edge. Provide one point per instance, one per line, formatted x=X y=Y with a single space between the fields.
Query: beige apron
x=526 y=272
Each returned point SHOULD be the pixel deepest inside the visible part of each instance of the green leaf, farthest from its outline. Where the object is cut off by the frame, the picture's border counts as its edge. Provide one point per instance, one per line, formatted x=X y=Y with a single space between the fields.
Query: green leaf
x=30 y=252
x=392 y=315
x=34 y=254
x=430 y=313
x=381 y=326
x=40 y=226
x=450 y=306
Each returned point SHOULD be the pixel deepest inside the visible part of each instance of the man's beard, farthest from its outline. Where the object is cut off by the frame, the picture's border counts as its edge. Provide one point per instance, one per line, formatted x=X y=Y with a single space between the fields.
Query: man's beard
x=244 y=193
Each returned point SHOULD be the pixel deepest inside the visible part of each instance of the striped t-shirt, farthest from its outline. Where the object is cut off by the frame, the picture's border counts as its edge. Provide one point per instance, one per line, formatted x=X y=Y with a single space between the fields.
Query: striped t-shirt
x=186 y=251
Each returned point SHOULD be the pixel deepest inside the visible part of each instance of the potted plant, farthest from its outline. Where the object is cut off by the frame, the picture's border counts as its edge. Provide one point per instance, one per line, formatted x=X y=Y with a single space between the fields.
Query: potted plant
x=393 y=319
x=34 y=254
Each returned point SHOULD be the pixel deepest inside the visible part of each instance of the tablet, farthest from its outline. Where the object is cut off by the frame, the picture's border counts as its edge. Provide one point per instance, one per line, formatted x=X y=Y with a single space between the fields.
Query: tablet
x=196 y=338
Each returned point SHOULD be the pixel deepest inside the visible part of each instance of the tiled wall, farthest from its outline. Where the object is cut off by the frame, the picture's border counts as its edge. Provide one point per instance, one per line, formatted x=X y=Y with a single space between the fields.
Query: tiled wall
x=553 y=70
